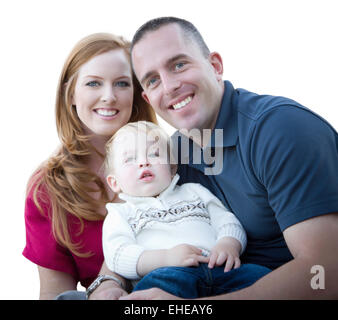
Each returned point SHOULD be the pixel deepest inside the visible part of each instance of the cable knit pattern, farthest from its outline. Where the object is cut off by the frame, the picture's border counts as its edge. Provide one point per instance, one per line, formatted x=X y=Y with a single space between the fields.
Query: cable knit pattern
x=183 y=210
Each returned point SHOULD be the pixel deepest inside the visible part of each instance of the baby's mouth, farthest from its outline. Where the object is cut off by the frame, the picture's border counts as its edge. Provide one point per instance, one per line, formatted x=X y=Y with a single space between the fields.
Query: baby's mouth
x=146 y=175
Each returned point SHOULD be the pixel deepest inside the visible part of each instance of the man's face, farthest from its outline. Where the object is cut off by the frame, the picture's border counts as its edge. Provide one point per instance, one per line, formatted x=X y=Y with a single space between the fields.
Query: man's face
x=184 y=87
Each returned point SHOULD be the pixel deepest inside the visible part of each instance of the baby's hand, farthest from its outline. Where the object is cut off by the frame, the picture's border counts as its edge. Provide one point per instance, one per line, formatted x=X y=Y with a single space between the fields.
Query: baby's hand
x=185 y=255
x=226 y=251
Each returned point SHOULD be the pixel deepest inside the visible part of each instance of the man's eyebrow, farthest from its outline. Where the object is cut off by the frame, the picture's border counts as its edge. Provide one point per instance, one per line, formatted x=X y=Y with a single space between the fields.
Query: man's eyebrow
x=177 y=57
x=146 y=76
x=169 y=62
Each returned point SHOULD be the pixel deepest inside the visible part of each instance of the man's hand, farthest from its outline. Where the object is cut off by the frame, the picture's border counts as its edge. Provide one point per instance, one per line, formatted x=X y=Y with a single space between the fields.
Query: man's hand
x=185 y=255
x=108 y=290
x=150 y=294
x=226 y=251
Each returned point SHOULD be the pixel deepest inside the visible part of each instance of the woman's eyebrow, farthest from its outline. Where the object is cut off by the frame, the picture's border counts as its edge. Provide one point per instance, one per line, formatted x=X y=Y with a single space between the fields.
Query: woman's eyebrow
x=92 y=76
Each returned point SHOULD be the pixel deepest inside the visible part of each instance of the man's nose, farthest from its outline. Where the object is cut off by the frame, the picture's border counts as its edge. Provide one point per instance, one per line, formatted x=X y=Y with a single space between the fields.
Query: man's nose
x=170 y=83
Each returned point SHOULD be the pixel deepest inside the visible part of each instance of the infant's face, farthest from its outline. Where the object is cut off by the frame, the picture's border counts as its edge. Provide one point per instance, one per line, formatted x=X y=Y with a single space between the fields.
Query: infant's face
x=140 y=163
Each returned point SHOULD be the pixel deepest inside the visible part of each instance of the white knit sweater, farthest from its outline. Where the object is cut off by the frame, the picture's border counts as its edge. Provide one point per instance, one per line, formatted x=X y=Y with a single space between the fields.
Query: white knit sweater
x=188 y=214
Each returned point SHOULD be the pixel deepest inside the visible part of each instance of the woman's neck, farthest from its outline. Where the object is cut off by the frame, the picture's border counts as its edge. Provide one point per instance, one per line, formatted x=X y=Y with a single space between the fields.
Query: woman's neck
x=99 y=143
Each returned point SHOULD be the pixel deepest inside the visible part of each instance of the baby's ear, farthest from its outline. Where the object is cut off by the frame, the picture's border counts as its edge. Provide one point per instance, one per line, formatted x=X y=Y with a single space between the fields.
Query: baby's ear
x=173 y=168
x=112 y=182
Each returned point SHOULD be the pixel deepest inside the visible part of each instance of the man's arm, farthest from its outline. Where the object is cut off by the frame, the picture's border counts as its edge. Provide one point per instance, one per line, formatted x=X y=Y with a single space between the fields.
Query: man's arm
x=311 y=242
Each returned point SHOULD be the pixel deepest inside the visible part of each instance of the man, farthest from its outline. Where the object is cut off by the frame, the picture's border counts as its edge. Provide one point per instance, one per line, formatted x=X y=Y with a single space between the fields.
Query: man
x=280 y=161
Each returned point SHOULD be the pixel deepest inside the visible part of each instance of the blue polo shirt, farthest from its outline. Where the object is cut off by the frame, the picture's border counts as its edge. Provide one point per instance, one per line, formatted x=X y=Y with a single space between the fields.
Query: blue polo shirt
x=280 y=167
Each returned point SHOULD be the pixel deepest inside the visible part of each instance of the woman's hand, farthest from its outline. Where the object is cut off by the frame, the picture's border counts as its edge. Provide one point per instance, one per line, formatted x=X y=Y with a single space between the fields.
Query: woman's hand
x=108 y=290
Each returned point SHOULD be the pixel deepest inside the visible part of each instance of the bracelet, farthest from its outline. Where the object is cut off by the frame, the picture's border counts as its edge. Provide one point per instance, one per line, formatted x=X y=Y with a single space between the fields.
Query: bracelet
x=98 y=281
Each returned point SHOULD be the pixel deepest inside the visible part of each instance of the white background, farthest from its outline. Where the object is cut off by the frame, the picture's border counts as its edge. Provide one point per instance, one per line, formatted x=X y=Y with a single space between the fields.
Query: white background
x=287 y=48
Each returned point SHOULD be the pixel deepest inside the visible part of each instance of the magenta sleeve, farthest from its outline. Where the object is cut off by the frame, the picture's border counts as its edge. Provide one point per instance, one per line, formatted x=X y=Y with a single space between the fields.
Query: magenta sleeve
x=41 y=246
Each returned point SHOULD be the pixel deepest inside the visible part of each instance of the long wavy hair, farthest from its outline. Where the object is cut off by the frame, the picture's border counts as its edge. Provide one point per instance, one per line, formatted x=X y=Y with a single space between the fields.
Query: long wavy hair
x=64 y=182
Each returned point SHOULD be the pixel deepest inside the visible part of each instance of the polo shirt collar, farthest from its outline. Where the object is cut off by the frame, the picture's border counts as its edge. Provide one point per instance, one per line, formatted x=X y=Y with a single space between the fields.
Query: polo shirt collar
x=227 y=118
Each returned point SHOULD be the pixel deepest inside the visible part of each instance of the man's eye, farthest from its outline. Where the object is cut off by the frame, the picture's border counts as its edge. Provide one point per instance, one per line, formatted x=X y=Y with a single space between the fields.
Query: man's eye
x=151 y=82
x=179 y=65
x=92 y=84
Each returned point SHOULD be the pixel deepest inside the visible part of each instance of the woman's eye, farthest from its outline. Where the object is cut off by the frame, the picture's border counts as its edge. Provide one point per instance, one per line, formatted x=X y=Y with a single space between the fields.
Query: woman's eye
x=123 y=84
x=92 y=84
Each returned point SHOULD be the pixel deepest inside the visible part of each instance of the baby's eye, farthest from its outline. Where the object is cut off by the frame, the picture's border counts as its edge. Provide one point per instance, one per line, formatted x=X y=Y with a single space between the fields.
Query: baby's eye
x=154 y=154
x=92 y=83
x=130 y=159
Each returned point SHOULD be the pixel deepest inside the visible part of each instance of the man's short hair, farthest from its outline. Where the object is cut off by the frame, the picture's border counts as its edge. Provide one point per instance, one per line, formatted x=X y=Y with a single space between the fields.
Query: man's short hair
x=189 y=31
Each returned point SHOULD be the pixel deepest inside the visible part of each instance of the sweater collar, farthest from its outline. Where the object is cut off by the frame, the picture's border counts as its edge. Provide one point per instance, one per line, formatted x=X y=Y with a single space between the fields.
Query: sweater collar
x=163 y=194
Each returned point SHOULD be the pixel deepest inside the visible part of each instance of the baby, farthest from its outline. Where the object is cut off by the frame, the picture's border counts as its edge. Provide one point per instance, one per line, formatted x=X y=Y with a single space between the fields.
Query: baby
x=177 y=238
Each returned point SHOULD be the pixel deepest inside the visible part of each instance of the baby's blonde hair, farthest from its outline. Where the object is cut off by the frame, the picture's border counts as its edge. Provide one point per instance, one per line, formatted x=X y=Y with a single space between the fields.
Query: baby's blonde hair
x=134 y=127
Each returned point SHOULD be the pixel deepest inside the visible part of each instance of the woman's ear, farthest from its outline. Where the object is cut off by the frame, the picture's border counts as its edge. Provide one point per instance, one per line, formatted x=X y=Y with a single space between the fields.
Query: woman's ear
x=112 y=182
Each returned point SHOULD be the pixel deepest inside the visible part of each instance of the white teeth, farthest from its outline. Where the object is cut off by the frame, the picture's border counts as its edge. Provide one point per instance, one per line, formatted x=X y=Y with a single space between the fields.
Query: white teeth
x=105 y=112
x=182 y=103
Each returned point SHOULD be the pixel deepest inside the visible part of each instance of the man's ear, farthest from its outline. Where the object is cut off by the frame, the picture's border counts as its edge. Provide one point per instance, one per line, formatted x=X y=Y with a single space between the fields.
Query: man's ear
x=216 y=61
x=145 y=97
x=112 y=182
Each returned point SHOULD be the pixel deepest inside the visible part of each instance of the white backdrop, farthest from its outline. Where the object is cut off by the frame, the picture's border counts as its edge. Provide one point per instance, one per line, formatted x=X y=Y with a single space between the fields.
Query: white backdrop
x=286 y=47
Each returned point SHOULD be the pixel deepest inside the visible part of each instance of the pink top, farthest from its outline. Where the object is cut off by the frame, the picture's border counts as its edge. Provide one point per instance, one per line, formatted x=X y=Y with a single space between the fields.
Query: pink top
x=42 y=248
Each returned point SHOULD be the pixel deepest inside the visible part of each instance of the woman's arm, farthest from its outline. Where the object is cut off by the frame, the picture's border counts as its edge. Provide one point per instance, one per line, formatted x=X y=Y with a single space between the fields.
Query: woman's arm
x=54 y=282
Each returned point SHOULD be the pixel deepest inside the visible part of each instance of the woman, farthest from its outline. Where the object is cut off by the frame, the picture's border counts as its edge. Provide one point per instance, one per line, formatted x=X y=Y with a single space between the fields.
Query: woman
x=65 y=206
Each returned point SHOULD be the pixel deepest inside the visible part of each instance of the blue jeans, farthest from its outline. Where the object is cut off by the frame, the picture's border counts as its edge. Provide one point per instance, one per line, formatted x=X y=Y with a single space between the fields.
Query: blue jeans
x=195 y=282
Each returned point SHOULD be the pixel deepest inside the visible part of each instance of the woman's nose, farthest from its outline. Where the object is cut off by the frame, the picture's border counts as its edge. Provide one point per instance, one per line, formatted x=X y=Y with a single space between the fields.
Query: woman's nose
x=108 y=96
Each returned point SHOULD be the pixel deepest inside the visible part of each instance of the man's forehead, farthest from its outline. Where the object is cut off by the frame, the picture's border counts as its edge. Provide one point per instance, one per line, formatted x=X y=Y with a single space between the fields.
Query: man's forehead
x=162 y=34
x=149 y=50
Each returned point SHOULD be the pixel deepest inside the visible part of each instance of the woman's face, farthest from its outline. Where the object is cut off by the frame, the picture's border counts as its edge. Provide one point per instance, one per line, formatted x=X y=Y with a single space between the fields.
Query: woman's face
x=103 y=93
